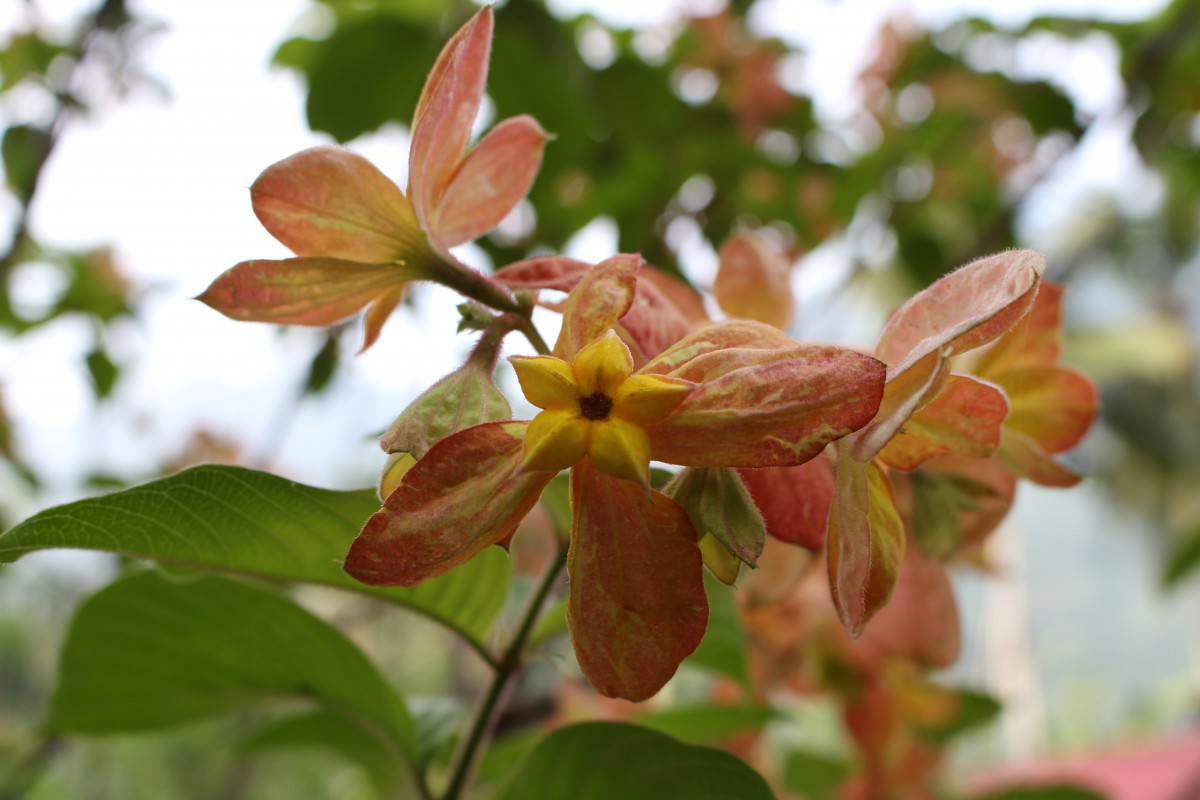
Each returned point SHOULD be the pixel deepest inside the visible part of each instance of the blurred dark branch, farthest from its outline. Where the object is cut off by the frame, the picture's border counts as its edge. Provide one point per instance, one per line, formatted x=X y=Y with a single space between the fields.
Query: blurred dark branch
x=26 y=773
x=1177 y=26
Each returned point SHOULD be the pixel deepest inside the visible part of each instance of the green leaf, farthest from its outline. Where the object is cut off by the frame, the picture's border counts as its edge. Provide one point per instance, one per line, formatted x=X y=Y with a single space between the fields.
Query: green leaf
x=503 y=756
x=235 y=520
x=1059 y=791
x=95 y=286
x=323 y=729
x=103 y=372
x=552 y=624
x=146 y=653
x=324 y=363
x=368 y=72
x=1184 y=559
x=718 y=502
x=938 y=507
x=723 y=648
x=972 y=710
x=813 y=775
x=439 y=720
x=24 y=148
x=603 y=760
x=23 y=55
x=556 y=502
x=467 y=396
x=417 y=10
x=707 y=724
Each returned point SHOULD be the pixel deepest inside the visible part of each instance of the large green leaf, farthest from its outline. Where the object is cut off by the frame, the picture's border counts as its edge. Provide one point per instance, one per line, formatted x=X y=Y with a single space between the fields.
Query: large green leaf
x=368 y=71
x=147 y=653
x=602 y=760
x=329 y=731
x=235 y=520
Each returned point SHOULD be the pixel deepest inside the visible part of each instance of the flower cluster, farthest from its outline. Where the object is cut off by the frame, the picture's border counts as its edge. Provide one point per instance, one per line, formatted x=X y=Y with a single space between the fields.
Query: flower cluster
x=729 y=395
x=815 y=445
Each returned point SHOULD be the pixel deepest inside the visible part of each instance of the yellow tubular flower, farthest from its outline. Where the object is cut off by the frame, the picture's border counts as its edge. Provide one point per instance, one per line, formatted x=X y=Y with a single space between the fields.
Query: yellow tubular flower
x=596 y=407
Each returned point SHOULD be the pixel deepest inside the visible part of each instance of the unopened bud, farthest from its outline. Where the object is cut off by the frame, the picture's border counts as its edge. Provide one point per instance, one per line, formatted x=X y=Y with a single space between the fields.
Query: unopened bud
x=394 y=470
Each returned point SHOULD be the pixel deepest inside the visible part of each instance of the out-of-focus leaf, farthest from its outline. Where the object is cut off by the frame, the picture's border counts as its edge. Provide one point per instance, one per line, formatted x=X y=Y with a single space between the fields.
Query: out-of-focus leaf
x=553 y=623
x=24 y=149
x=556 y=500
x=723 y=648
x=707 y=724
x=920 y=624
x=939 y=502
x=1157 y=349
x=103 y=372
x=145 y=653
x=1184 y=559
x=971 y=710
x=23 y=55
x=323 y=365
x=503 y=756
x=753 y=282
x=235 y=520
x=368 y=72
x=438 y=722
x=814 y=776
x=330 y=731
x=603 y=760
x=415 y=10
x=96 y=286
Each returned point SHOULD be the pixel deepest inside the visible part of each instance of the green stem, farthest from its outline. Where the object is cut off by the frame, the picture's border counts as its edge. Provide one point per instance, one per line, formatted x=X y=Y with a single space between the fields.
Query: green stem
x=535 y=338
x=474 y=285
x=506 y=671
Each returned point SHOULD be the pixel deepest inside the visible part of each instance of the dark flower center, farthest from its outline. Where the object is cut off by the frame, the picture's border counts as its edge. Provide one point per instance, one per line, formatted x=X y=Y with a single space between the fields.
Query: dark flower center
x=596 y=405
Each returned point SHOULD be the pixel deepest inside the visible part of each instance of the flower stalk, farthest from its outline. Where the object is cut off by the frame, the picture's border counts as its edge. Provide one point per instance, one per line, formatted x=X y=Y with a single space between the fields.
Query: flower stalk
x=505 y=673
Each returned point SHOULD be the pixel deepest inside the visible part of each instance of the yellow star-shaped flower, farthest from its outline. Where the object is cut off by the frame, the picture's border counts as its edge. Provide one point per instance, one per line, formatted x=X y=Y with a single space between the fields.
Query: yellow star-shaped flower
x=595 y=407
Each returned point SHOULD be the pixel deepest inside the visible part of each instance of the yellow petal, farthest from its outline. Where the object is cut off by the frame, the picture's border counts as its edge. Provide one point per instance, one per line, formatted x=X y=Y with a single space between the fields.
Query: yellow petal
x=719 y=559
x=547 y=382
x=555 y=441
x=647 y=399
x=603 y=365
x=620 y=449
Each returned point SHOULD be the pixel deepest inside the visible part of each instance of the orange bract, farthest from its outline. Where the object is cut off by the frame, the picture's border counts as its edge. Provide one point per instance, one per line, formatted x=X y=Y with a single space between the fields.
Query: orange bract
x=359 y=240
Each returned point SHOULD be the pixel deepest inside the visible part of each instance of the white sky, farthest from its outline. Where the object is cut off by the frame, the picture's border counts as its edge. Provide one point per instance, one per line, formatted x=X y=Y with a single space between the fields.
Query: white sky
x=166 y=183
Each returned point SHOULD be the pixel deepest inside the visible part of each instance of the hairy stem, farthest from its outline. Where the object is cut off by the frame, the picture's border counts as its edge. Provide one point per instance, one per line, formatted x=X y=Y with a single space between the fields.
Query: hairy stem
x=503 y=677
